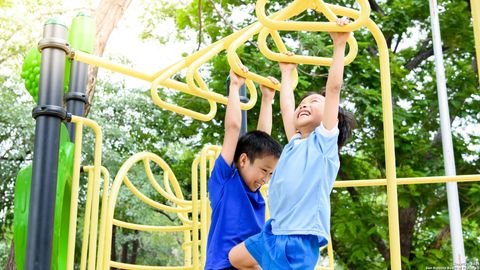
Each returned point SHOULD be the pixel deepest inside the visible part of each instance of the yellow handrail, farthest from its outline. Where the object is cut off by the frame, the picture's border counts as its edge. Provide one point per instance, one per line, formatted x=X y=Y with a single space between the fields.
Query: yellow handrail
x=97 y=161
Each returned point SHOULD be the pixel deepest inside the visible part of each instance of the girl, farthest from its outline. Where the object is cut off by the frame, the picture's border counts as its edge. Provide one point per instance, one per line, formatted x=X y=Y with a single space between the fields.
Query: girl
x=299 y=192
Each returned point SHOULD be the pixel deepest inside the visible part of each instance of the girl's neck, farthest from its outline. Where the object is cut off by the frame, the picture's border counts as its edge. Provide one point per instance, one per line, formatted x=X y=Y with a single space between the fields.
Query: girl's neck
x=304 y=133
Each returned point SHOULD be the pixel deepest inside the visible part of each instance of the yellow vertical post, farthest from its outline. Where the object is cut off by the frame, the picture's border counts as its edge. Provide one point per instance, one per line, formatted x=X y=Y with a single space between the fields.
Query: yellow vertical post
x=392 y=197
x=86 y=222
x=475 y=6
x=74 y=200
x=195 y=215
x=203 y=199
x=103 y=216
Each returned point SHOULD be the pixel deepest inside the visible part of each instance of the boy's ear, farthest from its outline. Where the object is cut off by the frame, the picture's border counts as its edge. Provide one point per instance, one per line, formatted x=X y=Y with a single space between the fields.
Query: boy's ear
x=242 y=160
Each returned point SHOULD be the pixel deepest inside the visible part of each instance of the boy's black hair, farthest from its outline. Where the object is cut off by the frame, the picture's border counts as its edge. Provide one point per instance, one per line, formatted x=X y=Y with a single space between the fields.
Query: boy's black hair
x=346 y=121
x=257 y=144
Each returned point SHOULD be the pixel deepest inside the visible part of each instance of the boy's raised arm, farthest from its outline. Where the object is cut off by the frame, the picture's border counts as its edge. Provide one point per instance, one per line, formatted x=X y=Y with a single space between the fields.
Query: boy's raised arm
x=265 y=117
x=233 y=117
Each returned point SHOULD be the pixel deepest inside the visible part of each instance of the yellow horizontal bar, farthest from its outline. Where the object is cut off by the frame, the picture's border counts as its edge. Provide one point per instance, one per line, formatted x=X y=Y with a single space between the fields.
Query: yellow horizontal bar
x=408 y=181
x=438 y=179
x=360 y=183
x=146 y=267
x=100 y=62
x=150 y=228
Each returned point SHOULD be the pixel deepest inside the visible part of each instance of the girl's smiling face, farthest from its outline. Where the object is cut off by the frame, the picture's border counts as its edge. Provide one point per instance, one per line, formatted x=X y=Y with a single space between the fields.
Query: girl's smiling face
x=309 y=114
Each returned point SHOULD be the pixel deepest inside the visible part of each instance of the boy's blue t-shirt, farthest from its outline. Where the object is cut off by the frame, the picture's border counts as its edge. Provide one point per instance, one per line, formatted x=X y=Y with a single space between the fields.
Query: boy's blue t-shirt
x=237 y=213
x=299 y=191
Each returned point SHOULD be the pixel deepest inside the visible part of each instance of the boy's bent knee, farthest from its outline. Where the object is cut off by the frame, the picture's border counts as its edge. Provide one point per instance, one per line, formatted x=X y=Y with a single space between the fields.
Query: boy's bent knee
x=233 y=256
x=240 y=258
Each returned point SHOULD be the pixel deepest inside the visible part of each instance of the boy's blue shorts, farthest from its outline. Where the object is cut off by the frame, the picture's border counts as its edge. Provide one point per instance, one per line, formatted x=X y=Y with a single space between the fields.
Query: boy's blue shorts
x=283 y=251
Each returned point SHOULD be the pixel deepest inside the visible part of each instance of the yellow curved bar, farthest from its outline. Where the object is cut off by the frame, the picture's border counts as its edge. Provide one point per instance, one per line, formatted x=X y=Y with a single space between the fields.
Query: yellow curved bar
x=300 y=59
x=166 y=183
x=122 y=178
x=193 y=74
x=168 y=195
x=158 y=188
x=149 y=228
x=152 y=203
x=197 y=60
x=174 y=108
x=319 y=6
x=164 y=79
x=234 y=60
x=97 y=61
x=298 y=7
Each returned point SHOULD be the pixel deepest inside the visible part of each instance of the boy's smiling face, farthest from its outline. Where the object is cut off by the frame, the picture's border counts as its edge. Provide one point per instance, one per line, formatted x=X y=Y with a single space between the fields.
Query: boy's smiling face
x=257 y=173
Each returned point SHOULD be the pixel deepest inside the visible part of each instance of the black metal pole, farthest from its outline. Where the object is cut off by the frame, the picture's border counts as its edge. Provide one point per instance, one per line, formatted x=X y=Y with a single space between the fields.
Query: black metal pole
x=48 y=114
x=243 y=98
x=76 y=97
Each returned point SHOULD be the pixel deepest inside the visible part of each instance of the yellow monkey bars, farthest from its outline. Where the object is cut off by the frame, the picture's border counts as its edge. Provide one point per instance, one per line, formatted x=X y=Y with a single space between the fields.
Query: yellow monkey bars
x=195 y=214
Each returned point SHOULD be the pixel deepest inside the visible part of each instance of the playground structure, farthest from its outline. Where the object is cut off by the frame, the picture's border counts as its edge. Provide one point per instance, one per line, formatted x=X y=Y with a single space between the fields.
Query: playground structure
x=194 y=213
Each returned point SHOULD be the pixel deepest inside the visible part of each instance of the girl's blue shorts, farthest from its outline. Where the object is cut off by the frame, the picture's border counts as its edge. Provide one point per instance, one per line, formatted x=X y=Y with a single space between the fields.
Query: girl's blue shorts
x=283 y=251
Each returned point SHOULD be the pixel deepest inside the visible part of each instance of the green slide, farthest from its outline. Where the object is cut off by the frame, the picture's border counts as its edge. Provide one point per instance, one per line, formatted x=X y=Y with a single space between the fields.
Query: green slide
x=62 y=209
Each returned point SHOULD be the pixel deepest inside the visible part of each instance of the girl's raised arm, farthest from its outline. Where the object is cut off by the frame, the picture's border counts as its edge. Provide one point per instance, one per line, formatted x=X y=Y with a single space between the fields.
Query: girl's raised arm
x=287 y=99
x=335 y=77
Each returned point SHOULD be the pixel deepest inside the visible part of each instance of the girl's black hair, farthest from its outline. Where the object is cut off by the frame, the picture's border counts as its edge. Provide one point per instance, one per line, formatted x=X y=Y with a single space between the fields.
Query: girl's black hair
x=346 y=121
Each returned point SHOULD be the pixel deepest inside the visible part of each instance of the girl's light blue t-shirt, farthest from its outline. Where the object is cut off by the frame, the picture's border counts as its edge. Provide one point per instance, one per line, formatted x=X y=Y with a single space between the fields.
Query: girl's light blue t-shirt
x=299 y=191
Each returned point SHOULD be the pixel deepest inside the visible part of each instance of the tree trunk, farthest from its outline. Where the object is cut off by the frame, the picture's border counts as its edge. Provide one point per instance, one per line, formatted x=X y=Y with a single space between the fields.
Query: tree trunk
x=124 y=252
x=107 y=15
x=407 y=219
x=135 y=248
x=11 y=259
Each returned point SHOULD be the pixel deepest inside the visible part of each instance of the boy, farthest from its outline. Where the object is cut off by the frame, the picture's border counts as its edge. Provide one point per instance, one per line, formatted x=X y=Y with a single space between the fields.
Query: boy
x=244 y=165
